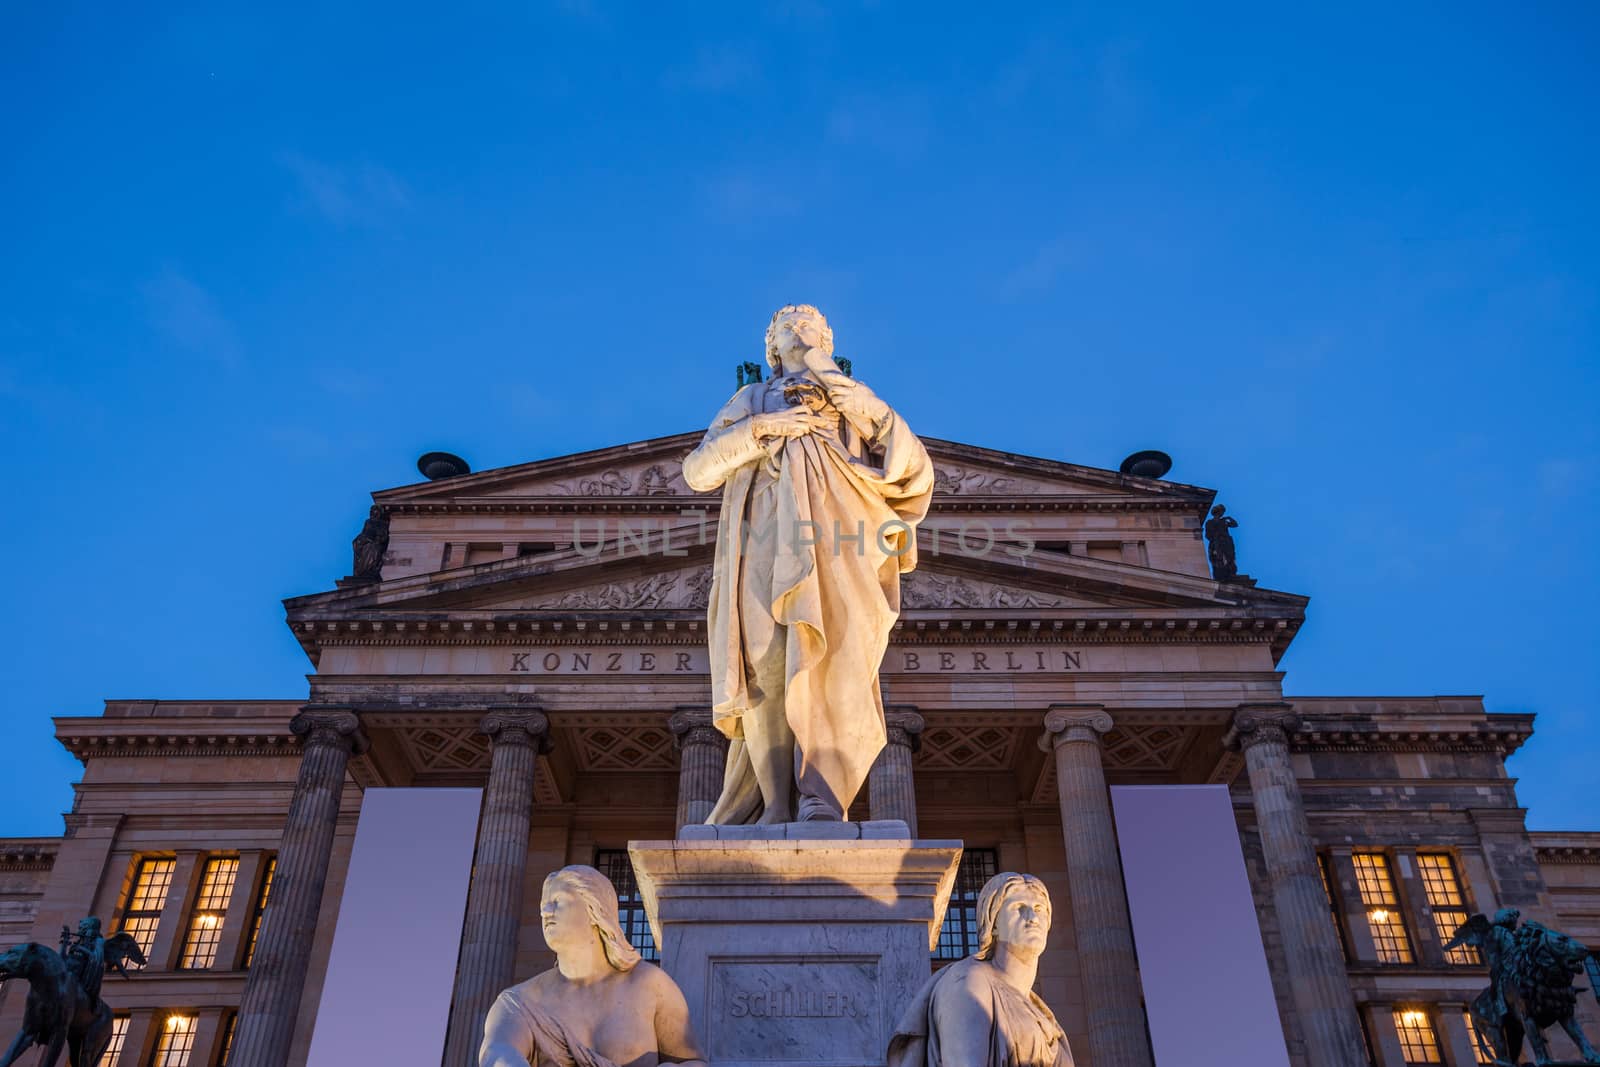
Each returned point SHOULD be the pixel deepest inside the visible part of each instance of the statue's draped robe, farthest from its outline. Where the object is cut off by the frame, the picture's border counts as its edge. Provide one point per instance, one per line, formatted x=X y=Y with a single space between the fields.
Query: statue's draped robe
x=539 y=1037
x=868 y=475
x=1023 y=1031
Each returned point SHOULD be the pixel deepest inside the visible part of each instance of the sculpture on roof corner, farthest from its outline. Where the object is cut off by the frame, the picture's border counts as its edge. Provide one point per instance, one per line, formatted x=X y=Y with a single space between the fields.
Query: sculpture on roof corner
x=982 y=1010
x=1219 y=547
x=370 y=546
x=64 y=1009
x=823 y=485
x=1531 y=968
x=600 y=1005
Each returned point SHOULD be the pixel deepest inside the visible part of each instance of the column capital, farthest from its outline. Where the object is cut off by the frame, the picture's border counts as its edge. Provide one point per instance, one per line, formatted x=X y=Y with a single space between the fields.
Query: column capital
x=691 y=724
x=905 y=726
x=1065 y=723
x=335 y=727
x=1262 y=723
x=516 y=726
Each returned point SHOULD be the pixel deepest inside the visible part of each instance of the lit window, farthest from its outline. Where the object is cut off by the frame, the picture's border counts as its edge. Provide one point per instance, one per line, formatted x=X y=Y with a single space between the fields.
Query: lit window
x=176 y=1042
x=1323 y=868
x=119 y=1034
x=1383 y=907
x=205 y=926
x=1481 y=1049
x=1447 y=903
x=151 y=880
x=227 y=1039
x=615 y=865
x=958 y=937
x=260 y=909
x=1418 y=1041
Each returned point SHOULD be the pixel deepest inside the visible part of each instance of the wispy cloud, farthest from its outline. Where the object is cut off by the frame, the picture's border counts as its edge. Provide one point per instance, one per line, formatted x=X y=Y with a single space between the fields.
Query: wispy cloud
x=715 y=68
x=360 y=194
x=1041 y=269
x=741 y=198
x=188 y=317
x=899 y=125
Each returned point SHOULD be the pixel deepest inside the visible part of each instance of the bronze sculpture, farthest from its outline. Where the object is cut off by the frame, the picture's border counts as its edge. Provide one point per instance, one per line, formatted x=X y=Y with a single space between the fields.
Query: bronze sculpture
x=370 y=546
x=1531 y=968
x=1219 y=544
x=64 y=1009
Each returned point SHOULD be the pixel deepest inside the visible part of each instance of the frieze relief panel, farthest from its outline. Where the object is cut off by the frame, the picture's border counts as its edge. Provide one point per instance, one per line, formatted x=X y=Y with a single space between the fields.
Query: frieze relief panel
x=952 y=479
x=921 y=590
x=662 y=478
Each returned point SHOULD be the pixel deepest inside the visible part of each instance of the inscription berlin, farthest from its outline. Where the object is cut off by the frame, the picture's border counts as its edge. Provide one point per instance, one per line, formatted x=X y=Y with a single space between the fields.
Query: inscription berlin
x=1017 y=659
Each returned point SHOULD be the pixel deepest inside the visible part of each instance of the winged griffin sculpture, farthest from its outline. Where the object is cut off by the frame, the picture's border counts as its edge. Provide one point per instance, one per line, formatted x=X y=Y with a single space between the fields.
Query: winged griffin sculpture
x=64 y=1009
x=1531 y=968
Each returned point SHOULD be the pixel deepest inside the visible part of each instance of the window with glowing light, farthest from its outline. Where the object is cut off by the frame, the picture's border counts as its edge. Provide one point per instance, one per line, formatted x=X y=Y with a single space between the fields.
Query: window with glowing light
x=1481 y=1051
x=1447 y=902
x=227 y=1039
x=1382 y=905
x=148 y=895
x=205 y=924
x=1325 y=868
x=260 y=908
x=1418 y=1040
x=175 y=1042
x=119 y=1034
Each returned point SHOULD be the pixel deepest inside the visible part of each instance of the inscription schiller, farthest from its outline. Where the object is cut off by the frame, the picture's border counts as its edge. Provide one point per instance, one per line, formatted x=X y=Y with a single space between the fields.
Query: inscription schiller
x=807 y=1010
x=792 y=1004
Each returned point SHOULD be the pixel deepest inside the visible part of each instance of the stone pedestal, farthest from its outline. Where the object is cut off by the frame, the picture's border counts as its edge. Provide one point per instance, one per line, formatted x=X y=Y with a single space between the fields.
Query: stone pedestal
x=794 y=943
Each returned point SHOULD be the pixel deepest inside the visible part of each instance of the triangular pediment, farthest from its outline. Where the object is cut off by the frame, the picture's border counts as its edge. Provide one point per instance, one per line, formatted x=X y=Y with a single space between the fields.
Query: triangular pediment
x=673 y=573
x=654 y=469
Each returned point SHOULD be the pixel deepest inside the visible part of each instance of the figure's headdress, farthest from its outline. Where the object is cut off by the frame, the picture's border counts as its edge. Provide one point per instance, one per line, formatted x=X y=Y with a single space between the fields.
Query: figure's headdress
x=599 y=898
x=789 y=309
x=993 y=897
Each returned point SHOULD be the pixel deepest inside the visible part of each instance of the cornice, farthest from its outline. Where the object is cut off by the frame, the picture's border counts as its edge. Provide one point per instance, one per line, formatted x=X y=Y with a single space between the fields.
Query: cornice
x=1566 y=848
x=124 y=739
x=712 y=506
x=28 y=853
x=1499 y=739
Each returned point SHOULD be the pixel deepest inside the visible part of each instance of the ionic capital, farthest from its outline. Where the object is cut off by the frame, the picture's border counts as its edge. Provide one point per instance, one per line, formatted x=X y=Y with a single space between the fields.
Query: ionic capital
x=905 y=727
x=1069 y=723
x=330 y=727
x=1265 y=723
x=693 y=726
x=516 y=726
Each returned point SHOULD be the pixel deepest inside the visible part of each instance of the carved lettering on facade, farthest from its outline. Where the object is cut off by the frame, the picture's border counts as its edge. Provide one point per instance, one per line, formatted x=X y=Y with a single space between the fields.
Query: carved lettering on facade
x=786 y=1003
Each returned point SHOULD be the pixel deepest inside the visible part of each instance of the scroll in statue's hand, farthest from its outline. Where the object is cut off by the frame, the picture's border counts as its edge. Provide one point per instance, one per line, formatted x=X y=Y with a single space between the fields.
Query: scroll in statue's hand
x=795 y=422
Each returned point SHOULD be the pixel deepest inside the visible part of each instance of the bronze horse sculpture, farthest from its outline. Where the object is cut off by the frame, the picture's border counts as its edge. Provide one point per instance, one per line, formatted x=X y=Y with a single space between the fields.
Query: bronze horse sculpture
x=1531 y=968
x=64 y=1009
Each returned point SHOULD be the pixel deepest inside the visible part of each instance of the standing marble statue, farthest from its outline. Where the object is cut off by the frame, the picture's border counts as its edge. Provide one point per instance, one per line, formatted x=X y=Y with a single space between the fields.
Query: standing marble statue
x=823 y=485
x=982 y=1011
x=600 y=1005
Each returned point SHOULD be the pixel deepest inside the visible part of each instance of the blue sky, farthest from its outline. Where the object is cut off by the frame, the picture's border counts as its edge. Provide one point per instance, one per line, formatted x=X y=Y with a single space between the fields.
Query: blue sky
x=1340 y=262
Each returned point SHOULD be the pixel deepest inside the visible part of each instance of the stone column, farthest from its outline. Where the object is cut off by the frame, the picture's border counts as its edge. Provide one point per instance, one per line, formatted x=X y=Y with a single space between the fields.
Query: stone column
x=1317 y=977
x=271 y=1000
x=891 y=794
x=499 y=868
x=1459 y=1048
x=702 y=757
x=1113 y=999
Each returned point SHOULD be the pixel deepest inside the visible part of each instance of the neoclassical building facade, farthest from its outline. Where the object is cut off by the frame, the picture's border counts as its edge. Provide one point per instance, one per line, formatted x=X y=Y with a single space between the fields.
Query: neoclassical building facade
x=538 y=632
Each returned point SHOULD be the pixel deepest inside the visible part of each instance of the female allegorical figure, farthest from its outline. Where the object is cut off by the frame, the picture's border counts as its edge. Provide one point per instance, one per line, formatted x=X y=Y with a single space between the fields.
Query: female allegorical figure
x=600 y=1005
x=982 y=1011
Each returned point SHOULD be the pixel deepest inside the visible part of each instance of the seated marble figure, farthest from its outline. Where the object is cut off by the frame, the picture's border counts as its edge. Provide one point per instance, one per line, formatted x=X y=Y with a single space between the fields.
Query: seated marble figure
x=982 y=1011
x=600 y=1005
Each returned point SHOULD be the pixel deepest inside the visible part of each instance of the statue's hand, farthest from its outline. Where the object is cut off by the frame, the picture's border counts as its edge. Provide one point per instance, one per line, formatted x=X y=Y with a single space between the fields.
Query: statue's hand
x=795 y=422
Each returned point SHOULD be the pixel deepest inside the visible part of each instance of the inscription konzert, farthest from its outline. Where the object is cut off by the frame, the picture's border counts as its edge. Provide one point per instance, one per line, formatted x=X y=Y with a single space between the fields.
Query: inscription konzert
x=667 y=660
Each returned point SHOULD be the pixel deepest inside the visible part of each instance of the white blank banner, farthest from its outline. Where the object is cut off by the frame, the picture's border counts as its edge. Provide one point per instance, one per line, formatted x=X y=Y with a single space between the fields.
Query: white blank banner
x=386 y=998
x=1207 y=990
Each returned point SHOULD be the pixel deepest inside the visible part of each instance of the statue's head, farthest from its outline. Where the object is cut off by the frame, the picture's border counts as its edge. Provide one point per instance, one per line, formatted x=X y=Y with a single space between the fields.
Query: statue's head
x=89 y=927
x=22 y=960
x=1507 y=917
x=1014 y=910
x=578 y=905
x=781 y=337
x=1217 y=511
